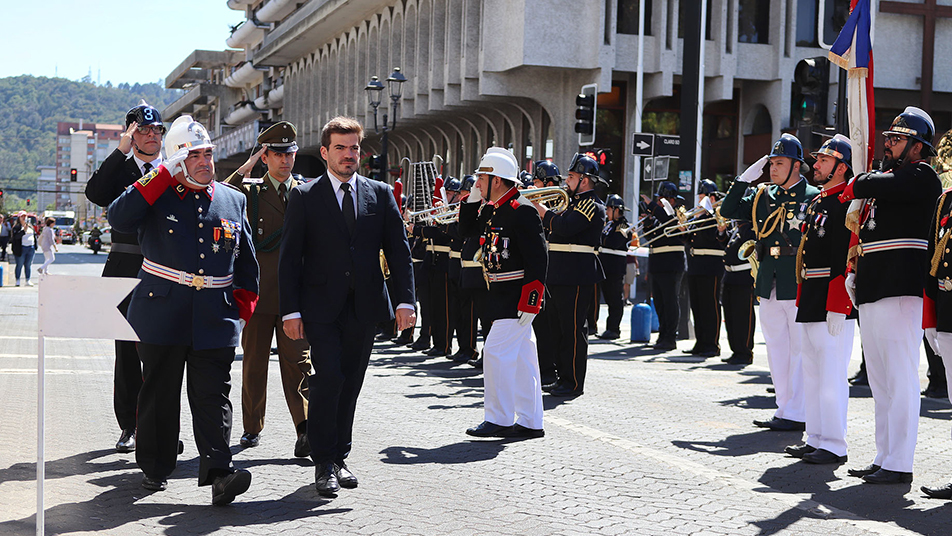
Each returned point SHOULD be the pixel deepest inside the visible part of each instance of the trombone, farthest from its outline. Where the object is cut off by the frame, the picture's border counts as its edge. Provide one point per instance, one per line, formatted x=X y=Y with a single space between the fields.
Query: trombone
x=554 y=198
x=703 y=224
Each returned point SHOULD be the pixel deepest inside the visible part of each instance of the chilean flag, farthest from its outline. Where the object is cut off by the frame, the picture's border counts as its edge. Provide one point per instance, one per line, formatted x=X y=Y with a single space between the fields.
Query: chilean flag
x=853 y=51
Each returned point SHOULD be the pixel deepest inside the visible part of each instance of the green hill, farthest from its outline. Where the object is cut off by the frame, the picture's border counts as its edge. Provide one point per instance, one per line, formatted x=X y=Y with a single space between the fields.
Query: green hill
x=31 y=106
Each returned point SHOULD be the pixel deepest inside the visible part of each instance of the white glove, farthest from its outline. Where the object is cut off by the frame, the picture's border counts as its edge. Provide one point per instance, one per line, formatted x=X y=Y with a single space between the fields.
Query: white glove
x=851 y=287
x=174 y=164
x=241 y=324
x=834 y=323
x=932 y=337
x=525 y=318
x=754 y=171
x=475 y=196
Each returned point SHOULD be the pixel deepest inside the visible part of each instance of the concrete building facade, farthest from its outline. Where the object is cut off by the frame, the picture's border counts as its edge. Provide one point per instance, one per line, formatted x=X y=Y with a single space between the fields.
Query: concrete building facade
x=81 y=146
x=506 y=72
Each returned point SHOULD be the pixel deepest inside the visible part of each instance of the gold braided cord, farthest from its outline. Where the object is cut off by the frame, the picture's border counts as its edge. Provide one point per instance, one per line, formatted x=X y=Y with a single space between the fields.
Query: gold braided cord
x=777 y=216
x=939 y=244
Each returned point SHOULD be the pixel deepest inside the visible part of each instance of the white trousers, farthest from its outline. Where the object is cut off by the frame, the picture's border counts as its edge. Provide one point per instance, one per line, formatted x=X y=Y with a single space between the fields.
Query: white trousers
x=892 y=332
x=945 y=348
x=513 y=389
x=782 y=334
x=826 y=392
x=48 y=258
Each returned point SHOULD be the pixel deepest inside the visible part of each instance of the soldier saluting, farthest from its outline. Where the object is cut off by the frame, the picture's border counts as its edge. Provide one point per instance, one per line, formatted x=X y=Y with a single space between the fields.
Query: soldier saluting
x=776 y=211
x=267 y=198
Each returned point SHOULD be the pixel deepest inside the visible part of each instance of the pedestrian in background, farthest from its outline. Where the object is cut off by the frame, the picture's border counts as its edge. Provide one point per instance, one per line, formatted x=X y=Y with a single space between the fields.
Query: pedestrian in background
x=24 y=247
x=5 y=231
x=48 y=245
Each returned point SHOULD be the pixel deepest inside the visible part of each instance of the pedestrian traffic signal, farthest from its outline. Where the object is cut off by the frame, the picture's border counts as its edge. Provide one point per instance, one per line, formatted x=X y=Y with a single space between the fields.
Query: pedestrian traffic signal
x=811 y=88
x=72 y=175
x=586 y=106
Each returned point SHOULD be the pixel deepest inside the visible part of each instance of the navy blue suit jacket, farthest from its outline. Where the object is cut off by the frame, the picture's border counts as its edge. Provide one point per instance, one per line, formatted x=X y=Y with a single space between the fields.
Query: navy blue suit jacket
x=319 y=258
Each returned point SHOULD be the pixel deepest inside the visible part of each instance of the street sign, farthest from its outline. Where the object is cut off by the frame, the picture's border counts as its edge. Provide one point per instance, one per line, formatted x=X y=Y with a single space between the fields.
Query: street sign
x=667 y=145
x=662 y=163
x=643 y=144
x=649 y=165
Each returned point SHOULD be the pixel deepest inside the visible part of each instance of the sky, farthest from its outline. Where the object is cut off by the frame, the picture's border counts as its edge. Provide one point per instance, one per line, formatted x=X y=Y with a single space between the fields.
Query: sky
x=110 y=40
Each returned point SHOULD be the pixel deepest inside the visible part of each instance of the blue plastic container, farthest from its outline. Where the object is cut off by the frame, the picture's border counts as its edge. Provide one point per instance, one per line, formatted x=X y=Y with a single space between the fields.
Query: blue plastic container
x=655 y=323
x=641 y=323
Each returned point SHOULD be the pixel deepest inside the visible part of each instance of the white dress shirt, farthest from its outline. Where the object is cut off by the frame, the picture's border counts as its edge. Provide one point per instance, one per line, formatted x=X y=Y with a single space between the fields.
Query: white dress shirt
x=141 y=163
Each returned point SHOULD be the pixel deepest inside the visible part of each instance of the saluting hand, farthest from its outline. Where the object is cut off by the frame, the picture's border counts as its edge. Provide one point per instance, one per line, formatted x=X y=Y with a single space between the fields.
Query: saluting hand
x=249 y=164
x=125 y=141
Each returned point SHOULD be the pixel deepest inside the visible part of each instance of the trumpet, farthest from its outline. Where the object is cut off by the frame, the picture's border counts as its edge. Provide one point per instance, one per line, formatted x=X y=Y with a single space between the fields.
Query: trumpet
x=703 y=224
x=555 y=198
x=432 y=215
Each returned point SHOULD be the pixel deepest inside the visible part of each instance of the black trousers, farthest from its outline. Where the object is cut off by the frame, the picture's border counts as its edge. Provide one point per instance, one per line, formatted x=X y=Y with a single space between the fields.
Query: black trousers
x=665 y=290
x=440 y=326
x=545 y=340
x=340 y=352
x=157 y=428
x=128 y=370
x=936 y=371
x=471 y=307
x=421 y=278
x=704 y=293
x=613 y=290
x=569 y=316
x=739 y=318
x=3 y=247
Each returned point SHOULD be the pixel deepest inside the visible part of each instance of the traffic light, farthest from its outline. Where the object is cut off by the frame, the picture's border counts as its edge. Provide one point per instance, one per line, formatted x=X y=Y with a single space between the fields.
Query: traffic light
x=586 y=105
x=811 y=88
x=604 y=159
x=376 y=168
x=72 y=175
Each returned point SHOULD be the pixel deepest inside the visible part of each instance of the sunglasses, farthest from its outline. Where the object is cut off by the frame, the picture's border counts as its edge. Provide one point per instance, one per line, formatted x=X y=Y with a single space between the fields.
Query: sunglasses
x=893 y=139
x=156 y=129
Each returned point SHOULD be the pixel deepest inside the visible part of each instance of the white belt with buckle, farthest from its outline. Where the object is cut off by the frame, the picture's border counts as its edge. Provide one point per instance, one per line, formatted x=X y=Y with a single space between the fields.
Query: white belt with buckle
x=438 y=249
x=707 y=252
x=815 y=273
x=737 y=267
x=666 y=249
x=470 y=264
x=456 y=254
x=572 y=248
x=505 y=276
x=610 y=251
x=184 y=278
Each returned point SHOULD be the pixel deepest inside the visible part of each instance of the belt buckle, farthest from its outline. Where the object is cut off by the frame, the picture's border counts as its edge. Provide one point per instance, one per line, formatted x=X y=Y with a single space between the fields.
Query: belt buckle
x=198 y=282
x=775 y=251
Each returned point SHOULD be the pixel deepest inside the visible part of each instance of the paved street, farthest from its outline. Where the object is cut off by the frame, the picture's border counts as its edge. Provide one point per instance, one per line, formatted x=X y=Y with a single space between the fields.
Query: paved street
x=658 y=444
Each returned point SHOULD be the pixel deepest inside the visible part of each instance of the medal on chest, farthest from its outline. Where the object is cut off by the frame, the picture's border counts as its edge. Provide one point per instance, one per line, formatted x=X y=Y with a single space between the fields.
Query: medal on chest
x=871 y=218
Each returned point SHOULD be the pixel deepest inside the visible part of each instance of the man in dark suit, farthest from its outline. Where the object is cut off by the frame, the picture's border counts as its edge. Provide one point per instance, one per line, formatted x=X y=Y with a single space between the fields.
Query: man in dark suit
x=332 y=289
x=137 y=154
x=267 y=198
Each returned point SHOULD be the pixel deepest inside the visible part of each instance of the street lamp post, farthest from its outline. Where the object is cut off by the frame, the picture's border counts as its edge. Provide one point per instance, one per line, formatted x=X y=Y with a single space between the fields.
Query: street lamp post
x=374 y=88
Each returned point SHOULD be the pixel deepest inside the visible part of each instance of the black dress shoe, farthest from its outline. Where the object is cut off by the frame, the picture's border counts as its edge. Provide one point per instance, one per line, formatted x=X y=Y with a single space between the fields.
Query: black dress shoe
x=799 y=450
x=345 y=478
x=127 y=441
x=226 y=488
x=249 y=440
x=781 y=425
x=476 y=363
x=823 y=457
x=860 y=473
x=859 y=379
x=302 y=447
x=709 y=353
x=739 y=360
x=403 y=339
x=942 y=492
x=420 y=345
x=665 y=345
x=938 y=391
x=550 y=386
x=435 y=352
x=565 y=391
x=154 y=483
x=885 y=476
x=488 y=429
x=692 y=351
x=609 y=335
x=325 y=476
x=520 y=431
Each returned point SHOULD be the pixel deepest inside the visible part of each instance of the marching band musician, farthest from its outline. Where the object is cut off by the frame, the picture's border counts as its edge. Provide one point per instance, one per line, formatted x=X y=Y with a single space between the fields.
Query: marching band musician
x=574 y=272
x=453 y=187
x=513 y=255
x=776 y=212
x=887 y=284
x=614 y=256
x=665 y=263
x=737 y=292
x=437 y=260
x=705 y=270
x=472 y=292
x=199 y=283
x=824 y=309
x=546 y=174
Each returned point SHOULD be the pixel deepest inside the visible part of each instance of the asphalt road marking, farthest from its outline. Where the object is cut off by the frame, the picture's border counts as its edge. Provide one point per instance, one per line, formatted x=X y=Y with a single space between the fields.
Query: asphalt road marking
x=53 y=371
x=791 y=500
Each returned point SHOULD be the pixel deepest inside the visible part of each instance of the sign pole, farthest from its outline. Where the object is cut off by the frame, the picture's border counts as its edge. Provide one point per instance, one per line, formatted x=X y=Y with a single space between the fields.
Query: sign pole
x=40 y=427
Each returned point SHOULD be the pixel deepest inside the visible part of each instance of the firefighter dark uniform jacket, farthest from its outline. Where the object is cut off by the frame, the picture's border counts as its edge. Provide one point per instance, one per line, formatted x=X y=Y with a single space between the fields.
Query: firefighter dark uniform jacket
x=199 y=273
x=893 y=230
x=438 y=247
x=705 y=252
x=937 y=295
x=512 y=252
x=456 y=251
x=776 y=215
x=574 y=236
x=737 y=270
x=821 y=260
x=614 y=250
x=665 y=253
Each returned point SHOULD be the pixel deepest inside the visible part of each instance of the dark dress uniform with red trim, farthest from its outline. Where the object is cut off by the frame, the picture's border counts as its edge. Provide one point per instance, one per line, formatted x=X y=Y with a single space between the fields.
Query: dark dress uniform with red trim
x=737 y=295
x=202 y=238
x=821 y=295
x=438 y=267
x=705 y=256
x=512 y=249
x=665 y=270
x=574 y=272
x=473 y=292
x=422 y=259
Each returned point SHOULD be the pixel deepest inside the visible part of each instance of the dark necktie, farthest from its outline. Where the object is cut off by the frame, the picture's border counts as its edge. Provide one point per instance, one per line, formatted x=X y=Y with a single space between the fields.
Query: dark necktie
x=146 y=168
x=283 y=192
x=347 y=206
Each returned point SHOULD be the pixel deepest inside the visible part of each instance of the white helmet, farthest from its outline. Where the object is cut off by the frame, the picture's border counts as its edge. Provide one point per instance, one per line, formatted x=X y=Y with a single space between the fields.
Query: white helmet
x=186 y=133
x=499 y=162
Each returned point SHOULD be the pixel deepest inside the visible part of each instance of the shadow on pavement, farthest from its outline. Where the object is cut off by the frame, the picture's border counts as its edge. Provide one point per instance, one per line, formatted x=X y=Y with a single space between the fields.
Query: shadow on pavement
x=462 y=452
x=743 y=444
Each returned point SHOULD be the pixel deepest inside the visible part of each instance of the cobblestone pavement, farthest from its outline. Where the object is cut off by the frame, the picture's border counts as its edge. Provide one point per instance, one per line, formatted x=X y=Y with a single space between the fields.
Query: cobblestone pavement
x=658 y=444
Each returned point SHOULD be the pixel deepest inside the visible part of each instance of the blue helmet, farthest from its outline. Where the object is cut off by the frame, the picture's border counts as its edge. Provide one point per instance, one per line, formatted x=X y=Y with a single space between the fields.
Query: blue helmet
x=452 y=184
x=525 y=178
x=584 y=164
x=916 y=124
x=707 y=187
x=668 y=189
x=467 y=184
x=839 y=148
x=615 y=201
x=546 y=171
x=788 y=145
